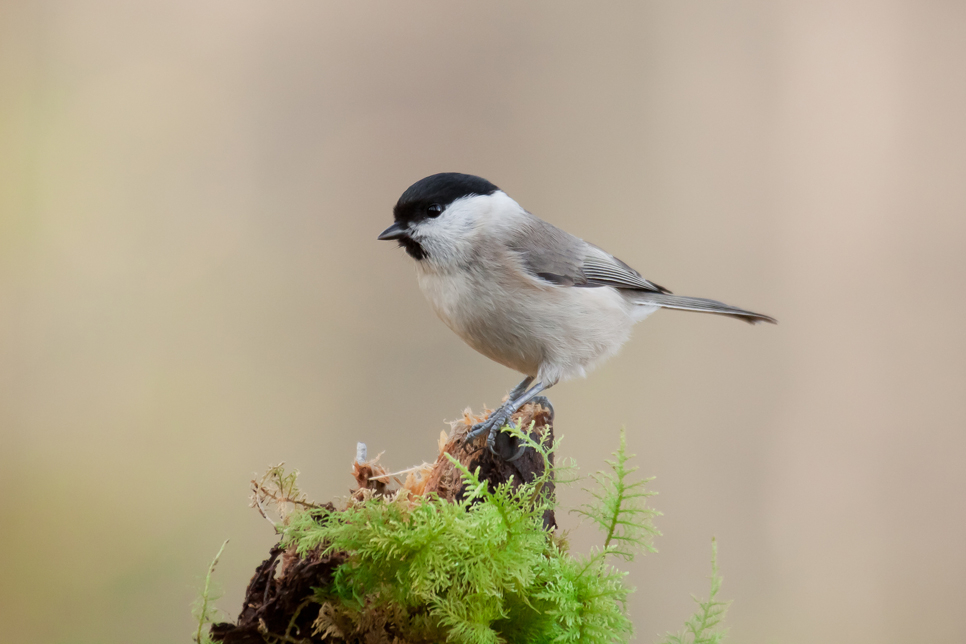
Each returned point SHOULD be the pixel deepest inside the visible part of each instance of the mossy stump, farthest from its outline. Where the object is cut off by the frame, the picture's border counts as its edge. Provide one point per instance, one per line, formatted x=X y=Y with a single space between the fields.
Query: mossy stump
x=278 y=605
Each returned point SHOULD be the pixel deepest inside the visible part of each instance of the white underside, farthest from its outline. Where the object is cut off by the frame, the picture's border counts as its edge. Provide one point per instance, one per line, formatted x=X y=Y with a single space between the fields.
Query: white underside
x=550 y=332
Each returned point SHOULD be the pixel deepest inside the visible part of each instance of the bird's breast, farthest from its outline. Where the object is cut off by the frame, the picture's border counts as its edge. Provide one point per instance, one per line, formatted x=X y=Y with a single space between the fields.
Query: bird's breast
x=552 y=331
x=489 y=315
x=463 y=301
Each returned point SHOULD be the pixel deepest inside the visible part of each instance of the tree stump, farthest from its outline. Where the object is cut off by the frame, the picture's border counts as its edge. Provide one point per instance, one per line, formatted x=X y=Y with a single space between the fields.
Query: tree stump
x=278 y=599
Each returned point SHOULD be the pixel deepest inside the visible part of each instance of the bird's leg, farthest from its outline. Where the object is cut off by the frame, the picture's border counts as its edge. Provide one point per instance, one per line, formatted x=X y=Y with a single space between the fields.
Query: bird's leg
x=479 y=428
x=519 y=389
x=507 y=411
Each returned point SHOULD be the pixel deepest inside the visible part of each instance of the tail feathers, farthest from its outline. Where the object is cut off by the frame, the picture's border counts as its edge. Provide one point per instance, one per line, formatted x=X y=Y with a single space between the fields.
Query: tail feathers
x=701 y=305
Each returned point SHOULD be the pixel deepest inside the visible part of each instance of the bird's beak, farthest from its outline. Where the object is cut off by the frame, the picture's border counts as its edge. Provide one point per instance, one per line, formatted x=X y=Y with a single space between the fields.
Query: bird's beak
x=395 y=231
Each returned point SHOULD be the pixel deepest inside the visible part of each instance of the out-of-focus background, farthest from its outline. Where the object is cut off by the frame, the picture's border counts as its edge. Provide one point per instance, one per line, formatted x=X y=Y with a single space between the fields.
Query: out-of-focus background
x=191 y=288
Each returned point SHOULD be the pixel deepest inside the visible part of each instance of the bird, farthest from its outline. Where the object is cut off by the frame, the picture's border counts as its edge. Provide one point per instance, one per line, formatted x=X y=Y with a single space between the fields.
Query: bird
x=521 y=291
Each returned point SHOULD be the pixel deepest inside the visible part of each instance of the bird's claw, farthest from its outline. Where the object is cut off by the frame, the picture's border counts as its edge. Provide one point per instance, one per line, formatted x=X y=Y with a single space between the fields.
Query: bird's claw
x=517 y=454
x=543 y=401
x=492 y=426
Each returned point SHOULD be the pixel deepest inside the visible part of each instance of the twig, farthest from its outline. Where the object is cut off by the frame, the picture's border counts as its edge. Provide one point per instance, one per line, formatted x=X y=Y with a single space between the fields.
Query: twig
x=257 y=504
x=264 y=632
x=284 y=492
x=295 y=615
x=268 y=581
x=405 y=471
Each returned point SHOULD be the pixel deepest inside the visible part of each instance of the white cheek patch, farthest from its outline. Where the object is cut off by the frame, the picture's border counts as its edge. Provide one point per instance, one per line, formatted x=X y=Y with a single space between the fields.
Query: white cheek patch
x=458 y=219
x=448 y=238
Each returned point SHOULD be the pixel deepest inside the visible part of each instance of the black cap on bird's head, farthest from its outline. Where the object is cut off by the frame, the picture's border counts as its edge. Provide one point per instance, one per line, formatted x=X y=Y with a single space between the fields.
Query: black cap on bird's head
x=427 y=199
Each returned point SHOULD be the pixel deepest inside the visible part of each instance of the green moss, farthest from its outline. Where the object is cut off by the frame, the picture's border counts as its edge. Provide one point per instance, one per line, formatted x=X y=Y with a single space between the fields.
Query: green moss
x=203 y=611
x=484 y=569
x=702 y=627
x=619 y=508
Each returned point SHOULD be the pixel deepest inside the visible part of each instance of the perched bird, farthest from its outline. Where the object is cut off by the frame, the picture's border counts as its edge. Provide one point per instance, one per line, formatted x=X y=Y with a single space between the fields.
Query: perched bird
x=521 y=291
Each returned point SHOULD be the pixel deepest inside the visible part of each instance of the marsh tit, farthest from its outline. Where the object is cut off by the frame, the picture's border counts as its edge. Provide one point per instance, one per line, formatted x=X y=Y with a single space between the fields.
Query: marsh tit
x=521 y=291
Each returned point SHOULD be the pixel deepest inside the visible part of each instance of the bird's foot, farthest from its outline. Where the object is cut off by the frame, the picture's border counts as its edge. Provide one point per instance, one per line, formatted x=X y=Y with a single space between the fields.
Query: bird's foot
x=480 y=428
x=492 y=426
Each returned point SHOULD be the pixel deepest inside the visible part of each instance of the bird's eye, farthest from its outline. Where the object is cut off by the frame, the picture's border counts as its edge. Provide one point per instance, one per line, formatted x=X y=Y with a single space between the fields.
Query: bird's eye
x=434 y=210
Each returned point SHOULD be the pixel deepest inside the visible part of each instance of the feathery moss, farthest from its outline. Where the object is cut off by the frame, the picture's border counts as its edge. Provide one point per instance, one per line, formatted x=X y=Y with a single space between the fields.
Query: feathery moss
x=483 y=569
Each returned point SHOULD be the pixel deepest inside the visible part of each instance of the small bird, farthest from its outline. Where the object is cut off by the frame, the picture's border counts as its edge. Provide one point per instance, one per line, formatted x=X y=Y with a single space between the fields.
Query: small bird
x=521 y=291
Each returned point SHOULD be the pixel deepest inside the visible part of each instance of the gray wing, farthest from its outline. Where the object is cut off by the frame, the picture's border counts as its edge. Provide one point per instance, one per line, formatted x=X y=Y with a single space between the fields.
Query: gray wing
x=558 y=257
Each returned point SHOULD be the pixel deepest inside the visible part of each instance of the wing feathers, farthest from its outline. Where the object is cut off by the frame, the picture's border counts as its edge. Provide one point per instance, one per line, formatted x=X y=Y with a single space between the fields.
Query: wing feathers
x=559 y=258
x=603 y=269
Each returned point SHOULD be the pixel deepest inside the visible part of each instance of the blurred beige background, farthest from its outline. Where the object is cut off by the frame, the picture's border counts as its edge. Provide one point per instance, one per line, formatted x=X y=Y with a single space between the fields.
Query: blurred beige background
x=191 y=289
